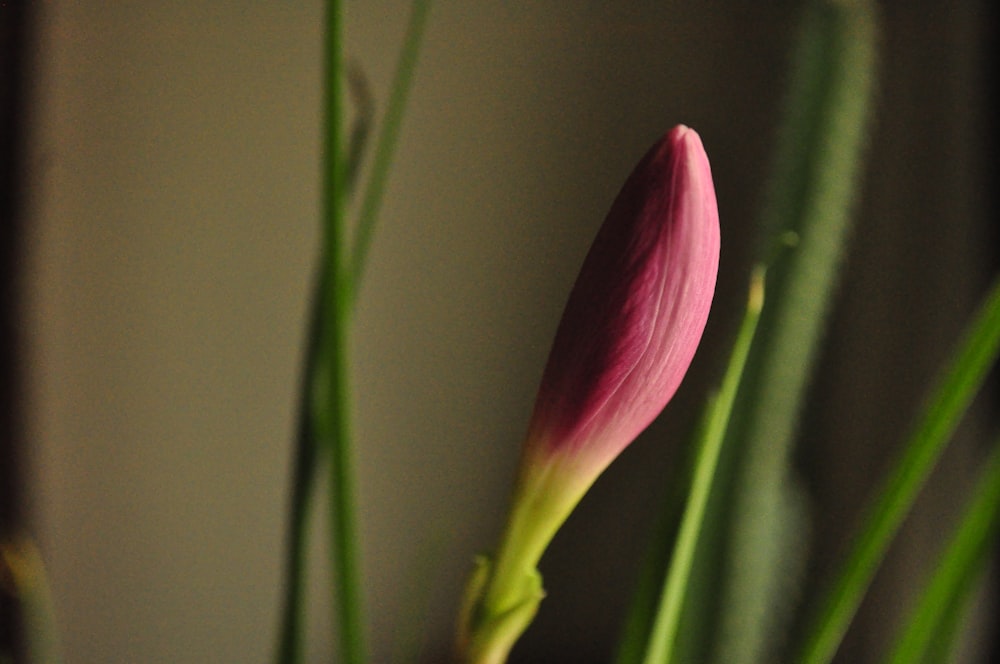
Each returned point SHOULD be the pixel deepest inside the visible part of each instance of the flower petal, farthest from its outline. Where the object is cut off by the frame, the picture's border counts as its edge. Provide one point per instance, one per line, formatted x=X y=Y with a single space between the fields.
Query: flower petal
x=637 y=311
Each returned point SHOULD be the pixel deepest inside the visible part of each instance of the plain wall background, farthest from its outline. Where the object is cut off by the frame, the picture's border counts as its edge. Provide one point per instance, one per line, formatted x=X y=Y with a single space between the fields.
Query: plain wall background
x=173 y=235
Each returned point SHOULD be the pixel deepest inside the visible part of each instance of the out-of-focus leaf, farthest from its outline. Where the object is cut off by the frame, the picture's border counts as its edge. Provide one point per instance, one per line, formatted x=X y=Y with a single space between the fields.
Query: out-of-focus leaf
x=976 y=354
x=949 y=589
x=811 y=193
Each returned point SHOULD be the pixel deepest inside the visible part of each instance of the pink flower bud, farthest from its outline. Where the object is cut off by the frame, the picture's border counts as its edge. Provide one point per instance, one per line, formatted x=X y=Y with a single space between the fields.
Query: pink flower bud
x=637 y=311
x=629 y=332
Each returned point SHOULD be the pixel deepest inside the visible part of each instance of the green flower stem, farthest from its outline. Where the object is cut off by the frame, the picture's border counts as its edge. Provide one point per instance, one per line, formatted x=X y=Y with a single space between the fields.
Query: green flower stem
x=331 y=388
x=661 y=646
x=487 y=637
x=504 y=593
x=957 y=387
x=962 y=562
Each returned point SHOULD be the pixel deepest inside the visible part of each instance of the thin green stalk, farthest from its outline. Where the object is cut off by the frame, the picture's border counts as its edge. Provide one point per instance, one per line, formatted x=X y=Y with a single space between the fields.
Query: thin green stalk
x=388 y=136
x=955 y=391
x=324 y=400
x=962 y=562
x=661 y=646
x=332 y=402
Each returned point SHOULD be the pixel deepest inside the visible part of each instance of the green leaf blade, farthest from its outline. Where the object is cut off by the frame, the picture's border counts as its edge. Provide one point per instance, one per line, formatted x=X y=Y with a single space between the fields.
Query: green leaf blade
x=976 y=354
x=962 y=561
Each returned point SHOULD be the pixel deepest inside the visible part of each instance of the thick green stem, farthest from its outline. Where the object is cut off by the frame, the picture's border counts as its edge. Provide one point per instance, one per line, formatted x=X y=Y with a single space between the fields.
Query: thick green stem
x=503 y=595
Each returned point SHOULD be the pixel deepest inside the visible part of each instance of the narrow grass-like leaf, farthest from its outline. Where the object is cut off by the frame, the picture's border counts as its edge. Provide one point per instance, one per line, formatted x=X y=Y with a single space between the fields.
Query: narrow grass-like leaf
x=810 y=194
x=944 y=648
x=304 y=475
x=660 y=648
x=956 y=388
x=388 y=136
x=962 y=562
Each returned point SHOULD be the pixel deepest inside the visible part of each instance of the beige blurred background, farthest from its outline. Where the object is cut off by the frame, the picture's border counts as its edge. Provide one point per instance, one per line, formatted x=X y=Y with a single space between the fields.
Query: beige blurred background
x=172 y=237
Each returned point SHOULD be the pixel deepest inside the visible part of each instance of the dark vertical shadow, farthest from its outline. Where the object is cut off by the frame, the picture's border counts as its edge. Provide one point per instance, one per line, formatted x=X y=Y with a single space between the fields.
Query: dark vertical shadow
x=14 y=29
x=992 y=185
